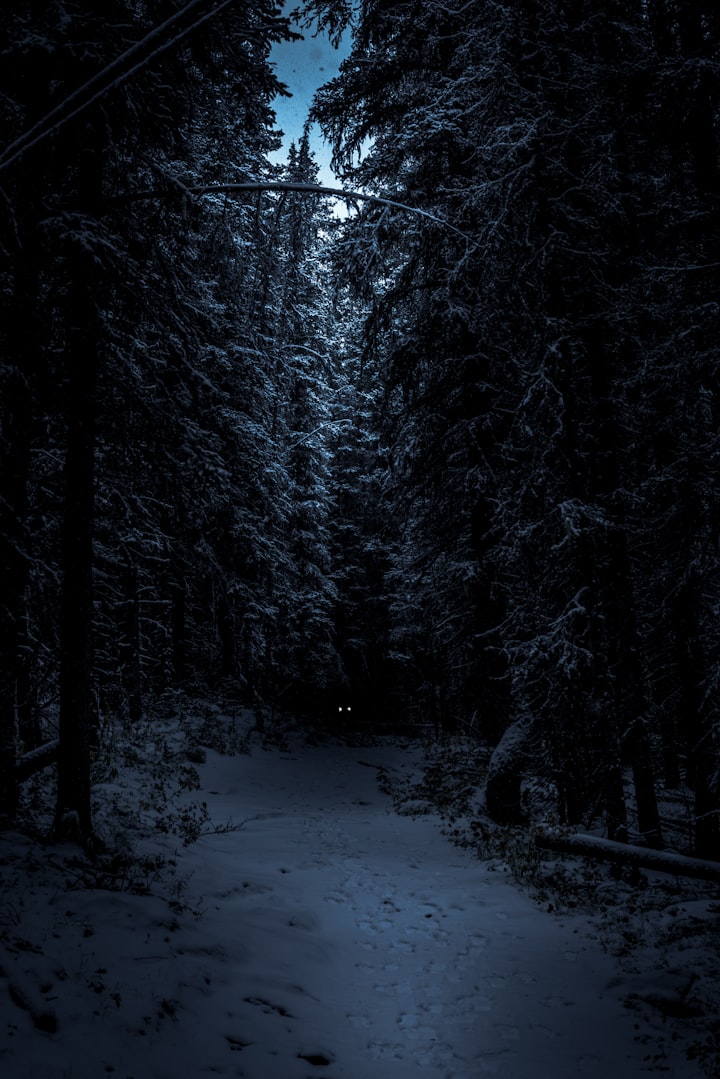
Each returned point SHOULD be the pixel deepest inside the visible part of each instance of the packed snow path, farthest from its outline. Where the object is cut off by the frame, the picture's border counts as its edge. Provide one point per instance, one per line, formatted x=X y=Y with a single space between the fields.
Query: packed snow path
x=336 y=939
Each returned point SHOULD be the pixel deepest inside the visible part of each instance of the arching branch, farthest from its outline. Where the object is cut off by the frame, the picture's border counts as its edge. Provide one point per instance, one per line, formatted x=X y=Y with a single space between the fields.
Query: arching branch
x=291 y=185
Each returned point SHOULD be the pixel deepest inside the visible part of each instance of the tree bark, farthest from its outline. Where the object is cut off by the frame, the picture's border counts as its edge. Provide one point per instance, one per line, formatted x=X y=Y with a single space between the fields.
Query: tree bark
x=14 y=452
x=22 y=360
x=130 y=650
x=73 y=815
x=644 y=783
x=178 y=631
x=76 y=647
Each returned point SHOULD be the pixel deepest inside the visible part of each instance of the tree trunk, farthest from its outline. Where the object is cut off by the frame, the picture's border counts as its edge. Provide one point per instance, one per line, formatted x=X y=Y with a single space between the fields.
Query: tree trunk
x=707 y=798
x=29 y=729
x=178 y=606
x=76 y=629
x=130 y=651
x=22 y=360
x=644 y=782
x=73 y=814
x=226 y=634
x=702 y=753
x=14 y=451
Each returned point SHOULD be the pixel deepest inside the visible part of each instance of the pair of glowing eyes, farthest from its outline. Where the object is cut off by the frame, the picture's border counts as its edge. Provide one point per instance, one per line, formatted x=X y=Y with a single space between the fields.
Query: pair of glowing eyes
x=341 y=709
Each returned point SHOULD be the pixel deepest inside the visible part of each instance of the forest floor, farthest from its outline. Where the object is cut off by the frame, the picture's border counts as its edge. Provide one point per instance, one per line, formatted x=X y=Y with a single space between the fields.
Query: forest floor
x=291 y=910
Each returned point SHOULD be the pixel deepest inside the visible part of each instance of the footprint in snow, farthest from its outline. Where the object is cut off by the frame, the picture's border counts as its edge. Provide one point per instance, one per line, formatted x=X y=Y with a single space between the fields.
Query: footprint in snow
x=317 y=1059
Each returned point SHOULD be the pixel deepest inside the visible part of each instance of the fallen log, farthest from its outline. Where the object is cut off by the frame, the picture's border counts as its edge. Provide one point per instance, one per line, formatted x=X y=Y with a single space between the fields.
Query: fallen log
x=590 y=846
x=36 y=760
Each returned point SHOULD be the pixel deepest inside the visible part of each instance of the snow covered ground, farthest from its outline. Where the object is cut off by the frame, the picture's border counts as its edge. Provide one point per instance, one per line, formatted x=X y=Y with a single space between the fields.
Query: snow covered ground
x=312 y=932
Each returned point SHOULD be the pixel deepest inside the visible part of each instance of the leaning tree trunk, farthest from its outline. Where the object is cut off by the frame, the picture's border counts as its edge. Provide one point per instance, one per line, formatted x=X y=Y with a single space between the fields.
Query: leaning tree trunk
x=505 y=775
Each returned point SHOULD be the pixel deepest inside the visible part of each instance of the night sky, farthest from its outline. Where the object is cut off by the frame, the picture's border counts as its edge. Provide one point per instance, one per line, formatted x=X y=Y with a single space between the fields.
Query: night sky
x=304 y=66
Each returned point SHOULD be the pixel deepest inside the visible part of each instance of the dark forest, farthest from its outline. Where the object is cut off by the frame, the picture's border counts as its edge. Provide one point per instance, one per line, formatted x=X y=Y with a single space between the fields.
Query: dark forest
x=446 y=449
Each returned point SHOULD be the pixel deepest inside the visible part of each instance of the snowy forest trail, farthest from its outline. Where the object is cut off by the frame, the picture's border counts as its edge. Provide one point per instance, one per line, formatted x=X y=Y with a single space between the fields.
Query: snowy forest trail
x=420 y=962
x=331 y=937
